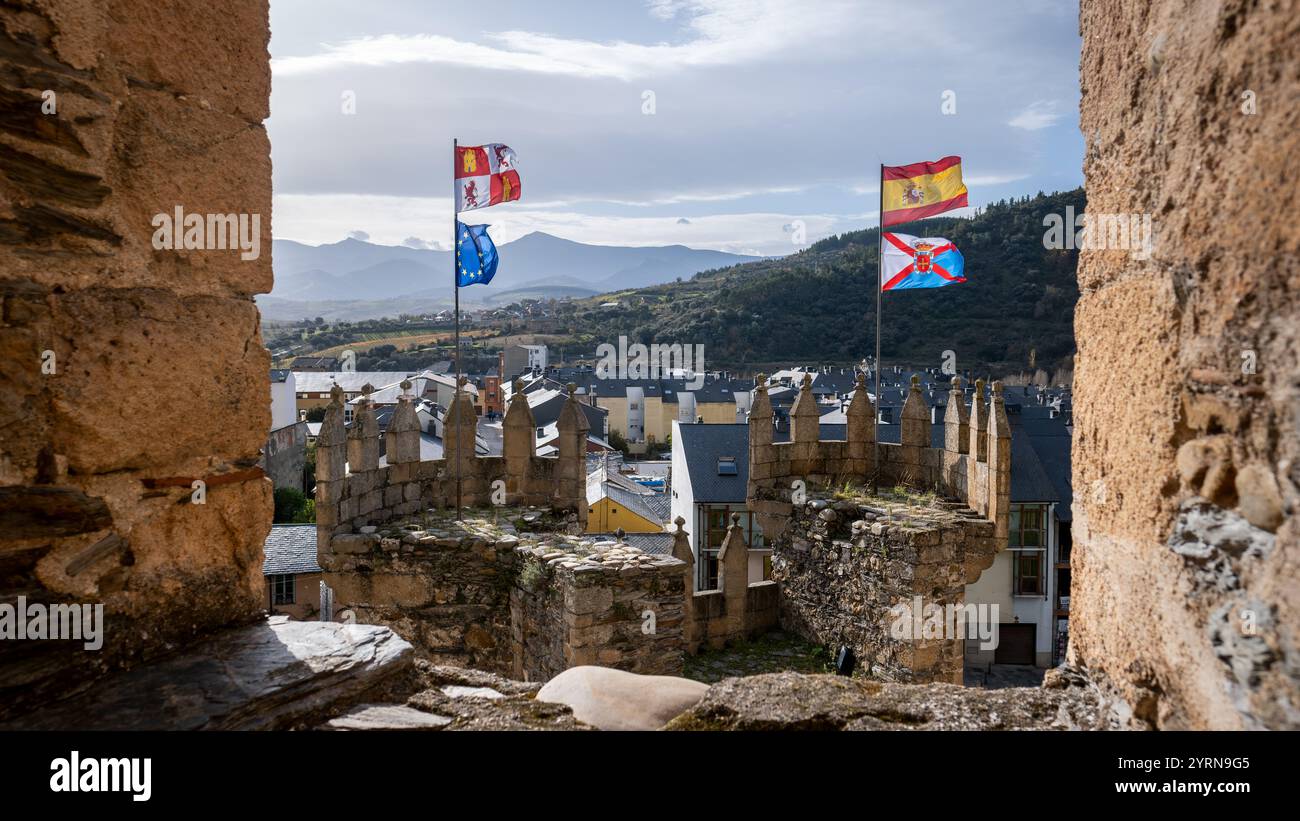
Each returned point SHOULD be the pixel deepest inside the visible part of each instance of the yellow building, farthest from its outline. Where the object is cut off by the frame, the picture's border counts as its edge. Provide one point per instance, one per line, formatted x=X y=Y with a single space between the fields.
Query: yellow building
x=614 y=502
x=644 y=412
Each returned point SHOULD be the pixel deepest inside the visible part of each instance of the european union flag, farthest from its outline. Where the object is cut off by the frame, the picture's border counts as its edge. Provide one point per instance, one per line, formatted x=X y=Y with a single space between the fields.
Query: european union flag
x=476 y=256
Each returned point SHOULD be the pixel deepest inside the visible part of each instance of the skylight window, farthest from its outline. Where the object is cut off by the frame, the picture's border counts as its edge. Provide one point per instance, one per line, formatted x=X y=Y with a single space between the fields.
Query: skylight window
x=727 y=466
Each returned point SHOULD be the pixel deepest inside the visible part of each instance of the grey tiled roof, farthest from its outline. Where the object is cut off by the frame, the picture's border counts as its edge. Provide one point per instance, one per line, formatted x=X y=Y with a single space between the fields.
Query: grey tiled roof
x=702 y=445
x=658 y=544
x=290 y=549
x=633 y=502
x=660 y=504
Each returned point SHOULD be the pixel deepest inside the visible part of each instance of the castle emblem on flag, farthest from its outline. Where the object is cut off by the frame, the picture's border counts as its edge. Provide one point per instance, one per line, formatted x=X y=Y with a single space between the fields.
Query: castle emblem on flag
x=485 y=175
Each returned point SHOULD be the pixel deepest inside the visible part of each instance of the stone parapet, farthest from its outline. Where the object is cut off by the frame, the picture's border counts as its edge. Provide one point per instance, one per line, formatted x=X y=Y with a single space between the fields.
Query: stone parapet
x=973 y=466
x=353 y=491
x=847 y=567
x=504 y=590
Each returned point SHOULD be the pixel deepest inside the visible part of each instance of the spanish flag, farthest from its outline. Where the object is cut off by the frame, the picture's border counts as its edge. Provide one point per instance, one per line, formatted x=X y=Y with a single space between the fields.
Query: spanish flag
x=922 y=189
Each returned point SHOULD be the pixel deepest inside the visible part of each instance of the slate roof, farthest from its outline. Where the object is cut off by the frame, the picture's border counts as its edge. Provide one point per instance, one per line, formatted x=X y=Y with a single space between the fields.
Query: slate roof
x=660 y=504
x=1051 y=442
x=290 y=549
x=349 y=381
x=702 y=445
x=656 y=544
x=637 y=503
x=546 y=405
x=712 y=390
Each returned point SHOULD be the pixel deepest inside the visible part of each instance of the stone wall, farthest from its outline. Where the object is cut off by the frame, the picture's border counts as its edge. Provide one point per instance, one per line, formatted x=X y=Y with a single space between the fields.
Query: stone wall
x=505 y=590
x=614 y=606
x=353 y=491
x=442 y=585
x=973 y=466
x=108 y=117
x=1186 y=561
x=284 y=457
x=843 y=565
x=737 y=610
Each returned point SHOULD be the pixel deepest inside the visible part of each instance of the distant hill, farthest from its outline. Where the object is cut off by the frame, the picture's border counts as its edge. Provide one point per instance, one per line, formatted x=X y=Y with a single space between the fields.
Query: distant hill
x=353 y=271
x=1015 y=311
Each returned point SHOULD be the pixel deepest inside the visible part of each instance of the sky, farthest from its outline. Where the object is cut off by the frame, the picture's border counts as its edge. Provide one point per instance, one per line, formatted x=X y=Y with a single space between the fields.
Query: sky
x=749 y=126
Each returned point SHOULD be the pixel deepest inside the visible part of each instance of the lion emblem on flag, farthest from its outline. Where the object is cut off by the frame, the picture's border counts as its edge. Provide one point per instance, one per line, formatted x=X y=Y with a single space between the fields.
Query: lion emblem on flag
x=471 y=194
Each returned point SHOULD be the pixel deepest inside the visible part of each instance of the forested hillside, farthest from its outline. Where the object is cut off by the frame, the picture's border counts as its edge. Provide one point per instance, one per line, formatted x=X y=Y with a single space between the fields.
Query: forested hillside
x=1016 y=310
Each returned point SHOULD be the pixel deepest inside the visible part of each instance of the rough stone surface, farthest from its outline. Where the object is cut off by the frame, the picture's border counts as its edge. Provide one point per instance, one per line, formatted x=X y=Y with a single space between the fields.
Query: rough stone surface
x=617 y=700
x=158 y=376
x=386 y=717
x=1185 y=382
x=278 y=674
x=841 y=570
x=517 y=709
x=502 y=590
x=796 y=701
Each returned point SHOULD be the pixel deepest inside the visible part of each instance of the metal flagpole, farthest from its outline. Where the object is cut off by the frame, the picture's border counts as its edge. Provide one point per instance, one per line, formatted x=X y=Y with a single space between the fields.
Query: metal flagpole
x=455 y=283
x=880 y=286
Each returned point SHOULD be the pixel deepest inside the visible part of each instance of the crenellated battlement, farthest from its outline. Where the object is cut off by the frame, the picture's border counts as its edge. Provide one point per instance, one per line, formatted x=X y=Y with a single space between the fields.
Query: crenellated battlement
x=972 y=467
x=353 y=490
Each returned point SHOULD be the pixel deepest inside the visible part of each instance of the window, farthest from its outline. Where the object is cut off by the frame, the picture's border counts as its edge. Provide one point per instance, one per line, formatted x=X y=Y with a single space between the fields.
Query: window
x=714 y=521
x=282 y=589
x=1029 y=573
x=1028 y=526
x=1027 y=536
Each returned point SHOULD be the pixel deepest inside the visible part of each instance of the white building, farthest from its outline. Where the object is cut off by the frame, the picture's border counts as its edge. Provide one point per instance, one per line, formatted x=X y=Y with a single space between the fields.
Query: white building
x=284 y=401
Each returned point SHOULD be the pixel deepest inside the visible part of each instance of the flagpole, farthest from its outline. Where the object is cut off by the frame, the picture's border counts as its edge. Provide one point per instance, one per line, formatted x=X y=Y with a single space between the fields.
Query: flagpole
x=455 y=284
x=880 y=284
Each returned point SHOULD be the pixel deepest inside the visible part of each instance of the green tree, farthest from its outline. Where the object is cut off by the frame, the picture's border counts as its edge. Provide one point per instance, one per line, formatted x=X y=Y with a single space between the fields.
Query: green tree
x=293 y=507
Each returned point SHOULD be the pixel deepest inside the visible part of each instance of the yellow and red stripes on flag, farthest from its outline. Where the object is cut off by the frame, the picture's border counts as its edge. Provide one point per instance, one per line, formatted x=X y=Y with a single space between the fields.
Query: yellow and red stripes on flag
x=922 y=189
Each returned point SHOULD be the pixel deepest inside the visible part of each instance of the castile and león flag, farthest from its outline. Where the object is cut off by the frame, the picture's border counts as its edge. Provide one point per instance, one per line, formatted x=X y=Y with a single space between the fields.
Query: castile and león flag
x=482 y=176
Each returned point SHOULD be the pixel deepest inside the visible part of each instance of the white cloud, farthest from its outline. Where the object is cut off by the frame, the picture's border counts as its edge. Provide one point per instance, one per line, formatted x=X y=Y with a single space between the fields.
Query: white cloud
x=422 y=244
x=1038 y=115
x=723 y=32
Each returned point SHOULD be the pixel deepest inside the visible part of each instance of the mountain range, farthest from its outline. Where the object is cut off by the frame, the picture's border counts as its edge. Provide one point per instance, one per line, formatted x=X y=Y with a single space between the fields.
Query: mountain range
x=355 y=279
